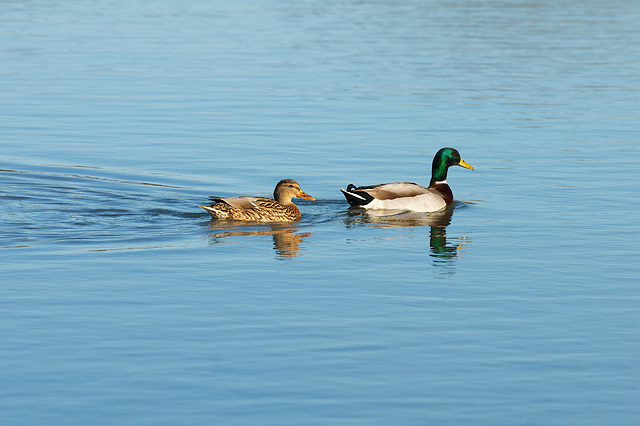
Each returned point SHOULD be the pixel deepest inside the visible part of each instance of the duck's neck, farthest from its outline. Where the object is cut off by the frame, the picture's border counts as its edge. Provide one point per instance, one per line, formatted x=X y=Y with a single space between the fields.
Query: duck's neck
x=439 y=179
x=282 y=197
x=284 y=201
x=438 y=172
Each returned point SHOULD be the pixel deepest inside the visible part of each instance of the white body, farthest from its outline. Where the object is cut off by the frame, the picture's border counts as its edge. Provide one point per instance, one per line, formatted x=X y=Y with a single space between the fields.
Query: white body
x=402 y=196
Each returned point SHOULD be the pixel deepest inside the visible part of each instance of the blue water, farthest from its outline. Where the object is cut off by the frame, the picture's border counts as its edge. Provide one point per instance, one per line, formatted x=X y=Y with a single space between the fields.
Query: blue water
x=121 y=302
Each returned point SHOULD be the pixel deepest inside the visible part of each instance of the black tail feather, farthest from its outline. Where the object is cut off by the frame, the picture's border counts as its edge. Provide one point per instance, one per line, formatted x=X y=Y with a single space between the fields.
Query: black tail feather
x=355 y=197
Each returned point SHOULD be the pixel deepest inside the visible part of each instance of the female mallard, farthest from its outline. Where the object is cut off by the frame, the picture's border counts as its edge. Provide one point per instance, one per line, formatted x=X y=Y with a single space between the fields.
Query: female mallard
x=261 y=209
x=407 y=195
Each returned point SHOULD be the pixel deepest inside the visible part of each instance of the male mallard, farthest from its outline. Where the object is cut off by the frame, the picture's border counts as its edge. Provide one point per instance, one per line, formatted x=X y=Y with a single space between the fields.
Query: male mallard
x=261 y=209
x=407 y=195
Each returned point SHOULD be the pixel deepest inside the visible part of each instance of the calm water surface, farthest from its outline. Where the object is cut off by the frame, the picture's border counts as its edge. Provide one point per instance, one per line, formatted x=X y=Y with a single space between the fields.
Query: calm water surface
x=122 y=303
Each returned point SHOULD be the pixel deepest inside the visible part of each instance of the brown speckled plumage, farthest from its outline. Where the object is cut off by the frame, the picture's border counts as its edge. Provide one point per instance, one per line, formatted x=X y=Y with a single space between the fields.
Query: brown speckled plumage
x=261 y=209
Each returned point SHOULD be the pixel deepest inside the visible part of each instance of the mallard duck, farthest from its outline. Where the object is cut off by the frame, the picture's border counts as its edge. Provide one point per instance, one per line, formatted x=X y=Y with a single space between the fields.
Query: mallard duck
x=407 y=195
x=261 y=209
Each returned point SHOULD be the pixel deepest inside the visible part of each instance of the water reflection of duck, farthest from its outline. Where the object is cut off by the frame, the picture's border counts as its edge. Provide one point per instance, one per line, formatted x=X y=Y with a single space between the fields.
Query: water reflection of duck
x=399 y=218
x=287 y=241
x=261 y=209
x=407 y=195
x=441 y=247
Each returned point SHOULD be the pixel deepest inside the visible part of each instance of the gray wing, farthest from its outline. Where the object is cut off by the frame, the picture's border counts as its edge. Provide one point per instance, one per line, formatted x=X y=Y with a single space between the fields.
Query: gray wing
x=389 y=191
x=244 y=203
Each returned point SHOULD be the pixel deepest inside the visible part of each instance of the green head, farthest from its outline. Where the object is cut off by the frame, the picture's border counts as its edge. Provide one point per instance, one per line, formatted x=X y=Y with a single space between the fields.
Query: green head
x=444 y=159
